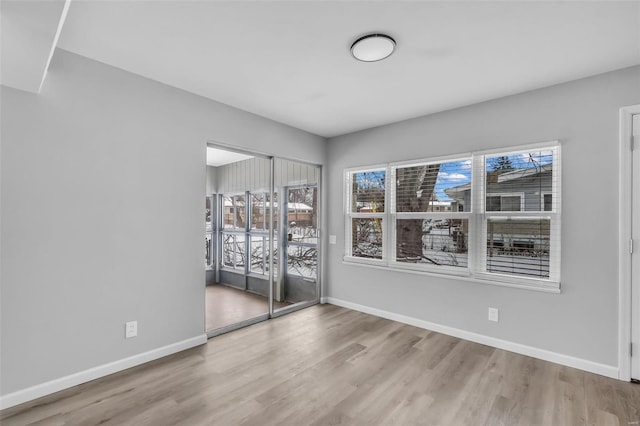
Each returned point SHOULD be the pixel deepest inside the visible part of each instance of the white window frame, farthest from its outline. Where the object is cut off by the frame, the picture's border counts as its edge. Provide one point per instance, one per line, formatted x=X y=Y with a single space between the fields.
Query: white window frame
x=263 y=232
x=233 y=210
x=477 y=217
x=394 y=215
x=348 y=182
x=554 y=216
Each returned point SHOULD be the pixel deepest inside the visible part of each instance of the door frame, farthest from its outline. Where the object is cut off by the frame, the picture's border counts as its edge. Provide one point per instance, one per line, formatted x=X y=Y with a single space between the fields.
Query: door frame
x=625 y=163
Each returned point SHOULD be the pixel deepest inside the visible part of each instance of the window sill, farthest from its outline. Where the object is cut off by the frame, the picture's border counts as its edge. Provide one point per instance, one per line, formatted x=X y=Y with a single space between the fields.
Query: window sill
x=501 y=281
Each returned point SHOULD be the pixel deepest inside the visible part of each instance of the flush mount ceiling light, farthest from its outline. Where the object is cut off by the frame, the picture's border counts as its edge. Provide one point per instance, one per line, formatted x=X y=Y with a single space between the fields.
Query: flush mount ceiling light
x=373 y=47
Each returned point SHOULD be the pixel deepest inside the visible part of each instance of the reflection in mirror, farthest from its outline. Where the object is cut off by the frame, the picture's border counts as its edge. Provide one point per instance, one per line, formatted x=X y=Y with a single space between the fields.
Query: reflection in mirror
x=297 y=185
x=239 y=292
x=267 y=215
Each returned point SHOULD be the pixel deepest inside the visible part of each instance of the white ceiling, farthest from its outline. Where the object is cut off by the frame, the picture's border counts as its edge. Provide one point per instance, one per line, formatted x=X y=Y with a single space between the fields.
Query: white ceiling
x=290 y=61
x=28 y=36
x=220 y=157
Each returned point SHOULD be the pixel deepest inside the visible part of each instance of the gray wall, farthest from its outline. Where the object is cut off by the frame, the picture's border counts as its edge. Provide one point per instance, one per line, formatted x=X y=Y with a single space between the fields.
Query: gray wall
x=212 y=185
x=102 y=195
x=582 y=321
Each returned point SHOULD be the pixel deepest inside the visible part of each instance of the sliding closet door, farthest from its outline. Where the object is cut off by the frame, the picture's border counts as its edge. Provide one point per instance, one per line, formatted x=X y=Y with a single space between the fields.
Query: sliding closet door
x=262 y=245
x=241 y=291
x=298 y=188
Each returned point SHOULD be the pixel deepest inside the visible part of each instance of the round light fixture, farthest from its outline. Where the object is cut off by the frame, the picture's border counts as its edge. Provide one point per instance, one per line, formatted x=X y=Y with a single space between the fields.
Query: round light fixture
x=373 y=47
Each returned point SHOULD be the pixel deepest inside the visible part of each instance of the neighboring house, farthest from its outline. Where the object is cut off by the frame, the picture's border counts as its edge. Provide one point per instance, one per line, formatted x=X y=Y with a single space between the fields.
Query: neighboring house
x=442 y=206
x=519 y=190
x=300 y=213
x=525 y=189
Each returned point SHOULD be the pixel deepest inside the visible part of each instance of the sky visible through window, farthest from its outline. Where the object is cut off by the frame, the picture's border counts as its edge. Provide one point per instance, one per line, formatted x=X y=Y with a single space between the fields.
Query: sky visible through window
x=370 y=179
x=452 y=173
x=457 y=173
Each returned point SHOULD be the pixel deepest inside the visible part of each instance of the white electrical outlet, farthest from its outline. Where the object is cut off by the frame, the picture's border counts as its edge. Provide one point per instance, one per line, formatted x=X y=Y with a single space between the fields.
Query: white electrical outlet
x=130 y=329
x=493 y=314
x=332 y=239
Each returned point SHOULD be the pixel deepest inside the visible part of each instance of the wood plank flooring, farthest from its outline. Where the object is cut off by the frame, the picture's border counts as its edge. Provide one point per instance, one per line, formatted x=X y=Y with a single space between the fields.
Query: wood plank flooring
x=327 y=365
x=226 y=306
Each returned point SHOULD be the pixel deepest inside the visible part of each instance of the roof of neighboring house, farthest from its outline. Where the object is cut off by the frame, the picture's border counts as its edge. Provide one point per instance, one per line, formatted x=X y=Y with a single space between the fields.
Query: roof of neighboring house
x=299 y=206
x=522 y=173
x=456 y=191
x=229 y=203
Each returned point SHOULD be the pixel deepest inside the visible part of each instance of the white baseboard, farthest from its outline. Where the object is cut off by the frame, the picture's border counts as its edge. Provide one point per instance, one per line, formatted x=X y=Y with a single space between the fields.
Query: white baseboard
x=80 y=377
x=75 y=379
x=579 y=363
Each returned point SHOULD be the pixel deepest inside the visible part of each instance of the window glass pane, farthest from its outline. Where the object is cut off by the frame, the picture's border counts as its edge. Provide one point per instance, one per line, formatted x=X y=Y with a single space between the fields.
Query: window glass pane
x=548 y=202
x=493 y=203
x=208 y=239
x=227 y=212
x=529 y=173
x=208 y=212
x=302 y=261
x=504 y=203
x=273 y=207
x=510 y=203
x=233 y=212
x=303 y=234
x=433 y=241
x=518 y=246
x=233 y=250
x=259 y=216
x=442 y=187
x=366 y=238
x=302 y=215
x=260 y=206
x=239 y=211
x=367 y=192
x=259 y=255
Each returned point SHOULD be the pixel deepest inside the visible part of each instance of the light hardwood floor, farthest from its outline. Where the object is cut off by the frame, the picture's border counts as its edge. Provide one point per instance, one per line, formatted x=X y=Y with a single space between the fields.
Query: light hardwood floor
x=227 y=305
x=327 y=366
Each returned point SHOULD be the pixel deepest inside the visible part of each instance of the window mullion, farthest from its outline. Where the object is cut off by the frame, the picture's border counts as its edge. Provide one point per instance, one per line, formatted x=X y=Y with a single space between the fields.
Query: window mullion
x=347 y=210
x=479 y=196
x=433 y=215
x=389 y=252
x=525 y=214
x=348 y=238
x=366 y=213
